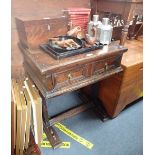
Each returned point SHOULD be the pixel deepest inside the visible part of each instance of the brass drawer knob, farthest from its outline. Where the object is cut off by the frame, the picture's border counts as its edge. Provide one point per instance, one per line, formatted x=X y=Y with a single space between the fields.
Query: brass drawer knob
x=106 y=66
x=69 y=76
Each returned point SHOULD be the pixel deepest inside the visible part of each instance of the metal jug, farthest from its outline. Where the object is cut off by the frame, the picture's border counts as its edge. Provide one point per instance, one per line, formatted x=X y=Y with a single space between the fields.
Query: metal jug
x=92 y=24
x=104 y=32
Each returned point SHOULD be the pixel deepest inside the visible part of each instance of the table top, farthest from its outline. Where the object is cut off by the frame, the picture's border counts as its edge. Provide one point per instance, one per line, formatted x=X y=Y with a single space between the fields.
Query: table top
x=135 y=53
x=45 y=63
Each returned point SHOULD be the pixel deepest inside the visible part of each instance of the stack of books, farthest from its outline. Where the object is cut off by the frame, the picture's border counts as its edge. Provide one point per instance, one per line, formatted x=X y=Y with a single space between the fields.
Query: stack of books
x=78 y=17
x=27 y=114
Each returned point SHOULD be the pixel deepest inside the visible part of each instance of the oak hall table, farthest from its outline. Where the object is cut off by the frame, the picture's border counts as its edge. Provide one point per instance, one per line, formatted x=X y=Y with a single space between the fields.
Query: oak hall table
x=55 y=77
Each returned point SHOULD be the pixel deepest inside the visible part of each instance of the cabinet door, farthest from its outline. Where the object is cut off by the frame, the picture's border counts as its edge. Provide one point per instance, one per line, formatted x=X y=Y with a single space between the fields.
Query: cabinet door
x=132 y=87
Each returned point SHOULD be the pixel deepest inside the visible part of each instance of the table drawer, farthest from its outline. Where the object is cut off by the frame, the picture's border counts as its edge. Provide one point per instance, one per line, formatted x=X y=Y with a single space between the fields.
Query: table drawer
x=63 y=78
x=103 y=65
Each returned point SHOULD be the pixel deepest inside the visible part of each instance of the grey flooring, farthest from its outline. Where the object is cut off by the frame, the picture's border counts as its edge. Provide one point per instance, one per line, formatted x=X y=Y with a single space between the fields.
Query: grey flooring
x=120 y=136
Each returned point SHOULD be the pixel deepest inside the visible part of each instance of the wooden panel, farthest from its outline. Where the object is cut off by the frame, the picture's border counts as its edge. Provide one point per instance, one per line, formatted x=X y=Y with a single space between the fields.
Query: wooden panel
x=34 y=32
x=16 y=98
x=127 y=8
x=132 y=73
x=70 y=75
x=108 y=6
x=136 y=49
x=28 y=119
x=36 y=101
x=129 y=94
x=118 y=91
x=35 y=9
x=13 y=124
x=73 y=72
x=106 y=64
x=46 y=64
x=48 y=72
x=109 y=91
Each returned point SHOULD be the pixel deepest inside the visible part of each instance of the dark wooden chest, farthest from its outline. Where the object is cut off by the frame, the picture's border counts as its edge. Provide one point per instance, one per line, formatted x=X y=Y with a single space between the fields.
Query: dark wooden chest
x=34 y=32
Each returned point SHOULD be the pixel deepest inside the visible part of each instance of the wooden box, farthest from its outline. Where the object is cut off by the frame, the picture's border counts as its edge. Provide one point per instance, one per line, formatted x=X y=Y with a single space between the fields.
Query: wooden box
x=34 y=32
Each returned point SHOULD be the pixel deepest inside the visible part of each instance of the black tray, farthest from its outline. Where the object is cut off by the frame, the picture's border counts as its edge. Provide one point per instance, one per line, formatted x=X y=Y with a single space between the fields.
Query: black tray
x=80 y=42
x=58 y=55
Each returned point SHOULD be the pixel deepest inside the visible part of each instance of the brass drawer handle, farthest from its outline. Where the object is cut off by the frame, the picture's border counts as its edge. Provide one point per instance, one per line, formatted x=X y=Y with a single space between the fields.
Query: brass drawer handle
x=69 y=76
x=106 y=66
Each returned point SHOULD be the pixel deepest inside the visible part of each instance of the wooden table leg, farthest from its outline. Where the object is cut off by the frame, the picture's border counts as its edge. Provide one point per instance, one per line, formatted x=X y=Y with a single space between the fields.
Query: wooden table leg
x=99 y=109
x=137 y=33
x=52 y=135
x=44 y=111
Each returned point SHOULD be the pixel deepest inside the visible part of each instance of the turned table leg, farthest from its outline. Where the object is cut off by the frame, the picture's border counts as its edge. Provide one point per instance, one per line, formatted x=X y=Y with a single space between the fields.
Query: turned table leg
x=98 y=109
x=124 y=35
x=52 y=135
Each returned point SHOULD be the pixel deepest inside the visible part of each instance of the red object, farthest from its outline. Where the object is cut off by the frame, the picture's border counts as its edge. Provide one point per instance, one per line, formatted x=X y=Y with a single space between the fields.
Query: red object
x=75 y=12
x=79 y=9
x=79 y=17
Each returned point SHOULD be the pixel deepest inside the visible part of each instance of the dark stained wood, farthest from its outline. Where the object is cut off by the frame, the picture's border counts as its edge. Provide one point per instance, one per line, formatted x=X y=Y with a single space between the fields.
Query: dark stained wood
x=121 y=89
x=127 y=8
x=52 y=76
x=116 y=33
x=52 y=136
x=132 y=28
x=30 y=10
x=124 y=35
x=71 y=87
x=44 y=63
x=34 y=32
x=139 y=31
x=39 y=9
x=124 y=9
x=55 y=77
x=69 y=113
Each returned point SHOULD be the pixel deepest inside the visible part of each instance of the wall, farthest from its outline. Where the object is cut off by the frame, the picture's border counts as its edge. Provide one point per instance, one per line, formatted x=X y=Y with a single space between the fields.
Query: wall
x=35 y=9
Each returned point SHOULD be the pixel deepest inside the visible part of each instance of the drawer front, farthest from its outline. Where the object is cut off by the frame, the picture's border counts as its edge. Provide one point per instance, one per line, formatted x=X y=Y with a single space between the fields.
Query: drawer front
x=101 y=66
x=63 y=78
